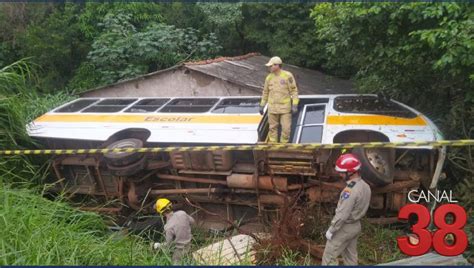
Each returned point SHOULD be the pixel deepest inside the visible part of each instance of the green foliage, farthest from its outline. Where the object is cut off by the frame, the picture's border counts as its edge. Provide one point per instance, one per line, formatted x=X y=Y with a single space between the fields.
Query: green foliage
x=14 y=21
x=85 y=77
x=222 y=15
x=57 y=45
x=285 y=30
x=59 y=36
x=141 y=15
x=21 y=170
x=398 y=47
x=226 y=20
x=183 y=15
x=13 y=77
x=26 y=218
x=378 y=244
x=13 y=111
x=291 y=258
x=37 y=231
x=19 y=105
x=418 y=53
x=122 y=51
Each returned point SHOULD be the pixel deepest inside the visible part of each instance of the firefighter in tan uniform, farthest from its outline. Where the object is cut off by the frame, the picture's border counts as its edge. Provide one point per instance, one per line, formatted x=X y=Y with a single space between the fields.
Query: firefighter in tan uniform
x=281 y=94
x=353 y=204
x=177 y=230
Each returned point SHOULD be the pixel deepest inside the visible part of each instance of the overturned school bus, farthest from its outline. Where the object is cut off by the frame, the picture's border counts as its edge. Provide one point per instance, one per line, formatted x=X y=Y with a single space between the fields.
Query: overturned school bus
x=235 y=183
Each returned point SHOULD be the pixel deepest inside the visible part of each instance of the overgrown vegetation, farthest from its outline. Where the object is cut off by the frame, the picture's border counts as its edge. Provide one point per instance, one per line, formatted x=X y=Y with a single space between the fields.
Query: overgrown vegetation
x=20 y=104
x=36 y=231
x=377 y=244
x=122 y=51
x=419 y=53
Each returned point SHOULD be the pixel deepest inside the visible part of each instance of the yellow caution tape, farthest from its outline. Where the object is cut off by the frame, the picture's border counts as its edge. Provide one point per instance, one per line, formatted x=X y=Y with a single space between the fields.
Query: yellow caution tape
x=257 y=147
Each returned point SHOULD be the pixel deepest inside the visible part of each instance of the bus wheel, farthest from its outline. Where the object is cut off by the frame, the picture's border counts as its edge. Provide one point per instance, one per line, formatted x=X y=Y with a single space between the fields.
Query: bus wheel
x=128 y=170
x=123 y=158
x=377 y=164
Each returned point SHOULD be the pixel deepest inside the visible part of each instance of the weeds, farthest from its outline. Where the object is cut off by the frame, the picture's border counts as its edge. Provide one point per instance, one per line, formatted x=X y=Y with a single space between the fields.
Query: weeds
x=36 y=231
x=378 y=244
x=16 y=112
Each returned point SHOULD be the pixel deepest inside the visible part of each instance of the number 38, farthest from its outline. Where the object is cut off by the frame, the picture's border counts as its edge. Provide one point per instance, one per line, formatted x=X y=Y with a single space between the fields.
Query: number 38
x=436 y=239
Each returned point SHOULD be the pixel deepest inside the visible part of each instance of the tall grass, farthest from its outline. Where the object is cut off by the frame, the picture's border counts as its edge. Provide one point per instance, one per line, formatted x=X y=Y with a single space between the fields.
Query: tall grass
x=19 y=105
x=15 y=77
x=16 y=111
x=37 y=231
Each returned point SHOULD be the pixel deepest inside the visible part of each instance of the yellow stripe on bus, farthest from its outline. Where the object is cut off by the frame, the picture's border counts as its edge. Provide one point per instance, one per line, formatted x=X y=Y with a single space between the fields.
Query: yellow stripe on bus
x=373 y=120
x=129 y=118
x=223 y=119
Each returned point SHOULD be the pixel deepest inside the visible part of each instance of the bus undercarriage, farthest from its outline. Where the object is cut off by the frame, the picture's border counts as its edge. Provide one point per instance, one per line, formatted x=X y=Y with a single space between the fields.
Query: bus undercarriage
x=235 y=185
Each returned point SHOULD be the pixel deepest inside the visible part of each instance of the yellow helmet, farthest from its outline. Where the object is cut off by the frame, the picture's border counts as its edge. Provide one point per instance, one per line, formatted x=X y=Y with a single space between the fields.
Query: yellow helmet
x=161 y=205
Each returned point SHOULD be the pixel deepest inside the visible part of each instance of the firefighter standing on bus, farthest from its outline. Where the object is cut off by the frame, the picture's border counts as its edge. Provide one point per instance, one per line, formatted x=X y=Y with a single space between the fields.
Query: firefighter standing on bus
x=281 y=94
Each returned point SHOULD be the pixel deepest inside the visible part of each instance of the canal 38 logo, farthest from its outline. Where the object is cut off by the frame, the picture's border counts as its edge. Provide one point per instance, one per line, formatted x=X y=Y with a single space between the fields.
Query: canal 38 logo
x=448 y=219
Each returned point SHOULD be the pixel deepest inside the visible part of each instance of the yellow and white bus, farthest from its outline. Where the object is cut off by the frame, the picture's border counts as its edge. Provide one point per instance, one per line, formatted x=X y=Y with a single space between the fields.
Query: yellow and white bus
x=135 y=122
x=232 y=120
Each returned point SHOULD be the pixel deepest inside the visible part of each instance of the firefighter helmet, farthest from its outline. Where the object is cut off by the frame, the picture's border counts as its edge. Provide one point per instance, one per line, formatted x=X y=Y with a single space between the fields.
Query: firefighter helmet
x=347 y=163
x=162 y=205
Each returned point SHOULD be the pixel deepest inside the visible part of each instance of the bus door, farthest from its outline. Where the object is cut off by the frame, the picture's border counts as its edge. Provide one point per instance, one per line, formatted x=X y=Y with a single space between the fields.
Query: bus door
x=310 y=124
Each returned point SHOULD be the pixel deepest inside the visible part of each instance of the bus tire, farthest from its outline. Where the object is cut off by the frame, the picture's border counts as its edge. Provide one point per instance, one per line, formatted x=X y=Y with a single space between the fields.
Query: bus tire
x=377 y=165
x=123 y=158
x=129 y=170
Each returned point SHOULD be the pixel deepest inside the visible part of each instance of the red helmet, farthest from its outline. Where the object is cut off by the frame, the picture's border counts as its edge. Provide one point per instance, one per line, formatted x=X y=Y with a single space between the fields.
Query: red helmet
x=347 y=163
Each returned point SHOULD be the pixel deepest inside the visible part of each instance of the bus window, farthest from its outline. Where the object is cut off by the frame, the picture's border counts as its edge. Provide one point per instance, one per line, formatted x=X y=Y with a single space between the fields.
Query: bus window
x=189 y=105
x=305 y=101
x=314 y=115
x=109 y=106
x=147 y=106
x=76 y=106
x=311 y=134
x=311 y=124
x=237 y=106
x=370 y=105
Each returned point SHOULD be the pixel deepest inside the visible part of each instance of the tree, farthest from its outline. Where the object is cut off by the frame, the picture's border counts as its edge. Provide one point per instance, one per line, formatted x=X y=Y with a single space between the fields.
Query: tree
x=226 y=21
x=419 y=53
x=57 y=45
x=141 y=15
x=122 y=51
x=58 y=36
x=285 y=30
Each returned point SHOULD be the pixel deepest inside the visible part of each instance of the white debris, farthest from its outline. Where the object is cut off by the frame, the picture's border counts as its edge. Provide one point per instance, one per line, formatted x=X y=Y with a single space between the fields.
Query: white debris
x=235 y=250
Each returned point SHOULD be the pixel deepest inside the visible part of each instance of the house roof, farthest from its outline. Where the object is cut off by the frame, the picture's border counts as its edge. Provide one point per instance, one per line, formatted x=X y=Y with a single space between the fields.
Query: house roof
x=250 y=71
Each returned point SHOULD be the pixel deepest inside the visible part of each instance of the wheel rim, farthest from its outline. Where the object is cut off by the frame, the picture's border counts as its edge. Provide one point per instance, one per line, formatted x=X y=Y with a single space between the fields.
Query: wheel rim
x=378 y=161
x=123 y=145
